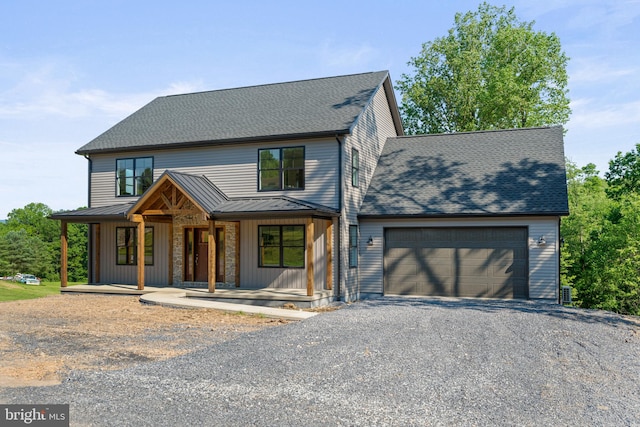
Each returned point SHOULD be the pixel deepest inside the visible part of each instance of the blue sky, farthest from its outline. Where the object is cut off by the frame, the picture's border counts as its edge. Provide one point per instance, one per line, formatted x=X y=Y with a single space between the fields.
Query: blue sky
x=69 y=70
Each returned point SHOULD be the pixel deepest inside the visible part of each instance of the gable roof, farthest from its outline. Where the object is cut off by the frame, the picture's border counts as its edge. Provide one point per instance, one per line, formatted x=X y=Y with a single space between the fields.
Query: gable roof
x=198 y=188
x=487 y=173
x=308 y=108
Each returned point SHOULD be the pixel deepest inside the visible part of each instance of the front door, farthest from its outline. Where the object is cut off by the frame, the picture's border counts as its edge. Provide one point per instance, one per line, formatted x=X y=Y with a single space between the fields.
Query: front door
x=196 y=255
x=201 y=255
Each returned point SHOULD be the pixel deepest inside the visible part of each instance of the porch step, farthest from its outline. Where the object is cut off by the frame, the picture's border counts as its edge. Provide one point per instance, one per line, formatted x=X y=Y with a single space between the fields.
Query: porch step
x=178 y=299
x=266 y=297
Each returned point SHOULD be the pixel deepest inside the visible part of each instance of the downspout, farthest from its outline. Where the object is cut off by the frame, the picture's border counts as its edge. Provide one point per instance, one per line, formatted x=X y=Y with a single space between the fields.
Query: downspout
x=339 y=272
x=90 y=252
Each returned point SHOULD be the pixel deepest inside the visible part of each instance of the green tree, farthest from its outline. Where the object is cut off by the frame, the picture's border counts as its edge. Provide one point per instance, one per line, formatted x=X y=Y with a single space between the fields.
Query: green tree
x=34 y=218
x=30 y=243
x=77 y=252
x=491 y=71
x=588 y=206
x=21 y=253
x=624 y=174
x=611 y=280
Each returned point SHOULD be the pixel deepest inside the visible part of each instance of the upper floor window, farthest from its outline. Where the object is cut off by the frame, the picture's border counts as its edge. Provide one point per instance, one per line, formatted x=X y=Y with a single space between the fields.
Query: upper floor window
x=281 y=169
x=127 y=246
x=355 y=167
x=133 y=176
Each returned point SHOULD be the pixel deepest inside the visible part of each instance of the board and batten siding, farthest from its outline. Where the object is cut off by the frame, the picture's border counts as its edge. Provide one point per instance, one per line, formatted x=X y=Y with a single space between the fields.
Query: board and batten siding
x=543 y=260
x=232 y=168
x=254 y=277
x=154 y=275
x=374 y=126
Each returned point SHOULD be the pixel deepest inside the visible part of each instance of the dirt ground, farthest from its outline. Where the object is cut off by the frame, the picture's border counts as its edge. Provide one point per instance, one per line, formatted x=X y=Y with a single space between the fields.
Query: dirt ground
x=42 y=340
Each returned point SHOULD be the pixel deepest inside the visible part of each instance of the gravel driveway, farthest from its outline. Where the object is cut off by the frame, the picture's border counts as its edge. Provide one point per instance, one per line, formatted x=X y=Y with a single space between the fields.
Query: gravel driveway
x=383 y=362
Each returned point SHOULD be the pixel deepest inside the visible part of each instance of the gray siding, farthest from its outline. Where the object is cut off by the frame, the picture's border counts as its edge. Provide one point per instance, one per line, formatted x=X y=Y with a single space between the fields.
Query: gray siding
x=374 y=126
x=232 y=168
x=154 y=275
x=252 y=276
x=543 y=260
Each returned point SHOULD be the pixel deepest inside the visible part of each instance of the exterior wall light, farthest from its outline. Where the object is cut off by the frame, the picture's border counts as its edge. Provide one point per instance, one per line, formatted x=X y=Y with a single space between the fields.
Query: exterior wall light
x=370 y=241
x=542 y=241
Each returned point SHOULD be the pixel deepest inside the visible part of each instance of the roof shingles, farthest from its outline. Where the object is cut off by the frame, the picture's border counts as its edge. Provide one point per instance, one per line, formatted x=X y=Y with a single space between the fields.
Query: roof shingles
x=318 y=107
x=505 y=172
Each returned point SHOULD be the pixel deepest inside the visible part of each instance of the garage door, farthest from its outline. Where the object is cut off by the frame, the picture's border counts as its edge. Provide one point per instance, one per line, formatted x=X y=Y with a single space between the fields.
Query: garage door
x=481 y=262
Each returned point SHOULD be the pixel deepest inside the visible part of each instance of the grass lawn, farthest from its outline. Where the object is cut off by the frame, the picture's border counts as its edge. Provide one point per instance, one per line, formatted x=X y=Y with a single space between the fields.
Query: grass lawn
x=12 y=291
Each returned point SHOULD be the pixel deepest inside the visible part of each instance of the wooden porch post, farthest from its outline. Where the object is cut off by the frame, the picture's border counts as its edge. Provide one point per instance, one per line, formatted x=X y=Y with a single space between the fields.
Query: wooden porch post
x=170 y=257
x=140 y=249
x=329 y=244
x=96 y=261
x=211 y=248
x=310 y=239
x=237 y=225
x=63 y=254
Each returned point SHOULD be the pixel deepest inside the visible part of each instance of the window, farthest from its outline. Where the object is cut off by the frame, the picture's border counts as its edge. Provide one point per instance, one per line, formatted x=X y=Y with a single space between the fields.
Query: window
x=355 y=167
x=133 y=176
x=281 y=246
x=281 y=169
x=353 y=246
x=127 y=246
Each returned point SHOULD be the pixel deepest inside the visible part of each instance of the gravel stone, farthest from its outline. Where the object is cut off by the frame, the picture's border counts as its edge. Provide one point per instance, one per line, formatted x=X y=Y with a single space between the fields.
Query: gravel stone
x=383 y=362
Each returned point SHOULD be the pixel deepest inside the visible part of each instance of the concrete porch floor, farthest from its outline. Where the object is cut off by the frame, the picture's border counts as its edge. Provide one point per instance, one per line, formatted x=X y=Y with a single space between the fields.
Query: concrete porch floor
x=265 y=297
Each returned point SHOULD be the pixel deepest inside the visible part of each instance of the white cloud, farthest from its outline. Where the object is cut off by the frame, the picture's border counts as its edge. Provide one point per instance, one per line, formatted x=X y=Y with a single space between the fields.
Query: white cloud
x=345 y=56
x=592 y=70
x=51 y=91
x=607 y=15
x=588 y=114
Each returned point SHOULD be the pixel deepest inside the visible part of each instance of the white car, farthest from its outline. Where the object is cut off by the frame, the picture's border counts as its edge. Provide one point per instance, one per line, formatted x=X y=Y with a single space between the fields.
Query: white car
x=30 y=279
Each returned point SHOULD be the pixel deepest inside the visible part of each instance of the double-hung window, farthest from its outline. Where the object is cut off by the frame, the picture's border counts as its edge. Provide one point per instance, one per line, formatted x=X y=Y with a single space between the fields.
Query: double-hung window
x=281 y=246
x=353 y=246
x=127 y=246
x=133 y=176
x=355 y=167
x=281 y=169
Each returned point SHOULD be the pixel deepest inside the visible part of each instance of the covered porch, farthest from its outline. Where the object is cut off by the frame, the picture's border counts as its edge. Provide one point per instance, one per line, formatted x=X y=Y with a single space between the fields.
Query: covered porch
x=205 y=244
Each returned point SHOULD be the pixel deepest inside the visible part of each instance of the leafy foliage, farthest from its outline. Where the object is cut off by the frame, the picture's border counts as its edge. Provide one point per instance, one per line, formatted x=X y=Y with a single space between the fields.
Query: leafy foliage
x=624 y=174
x=491 y=71
x=601 y=255
x=30 y=243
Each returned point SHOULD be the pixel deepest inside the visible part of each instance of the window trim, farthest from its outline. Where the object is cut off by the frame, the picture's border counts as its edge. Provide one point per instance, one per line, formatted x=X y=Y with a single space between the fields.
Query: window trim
x=353 y=246
x=117 y=189
x=281 y=169
x=355 y=168
x=282 y=246
x=134 y=232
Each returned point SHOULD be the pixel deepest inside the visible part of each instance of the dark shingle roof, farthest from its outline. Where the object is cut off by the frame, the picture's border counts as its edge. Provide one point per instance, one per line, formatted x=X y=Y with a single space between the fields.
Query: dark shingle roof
x=504 y=172
x=319 y=107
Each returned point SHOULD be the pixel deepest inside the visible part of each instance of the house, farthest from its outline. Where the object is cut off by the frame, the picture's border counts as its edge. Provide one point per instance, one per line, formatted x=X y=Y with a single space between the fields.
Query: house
x=311 y=186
